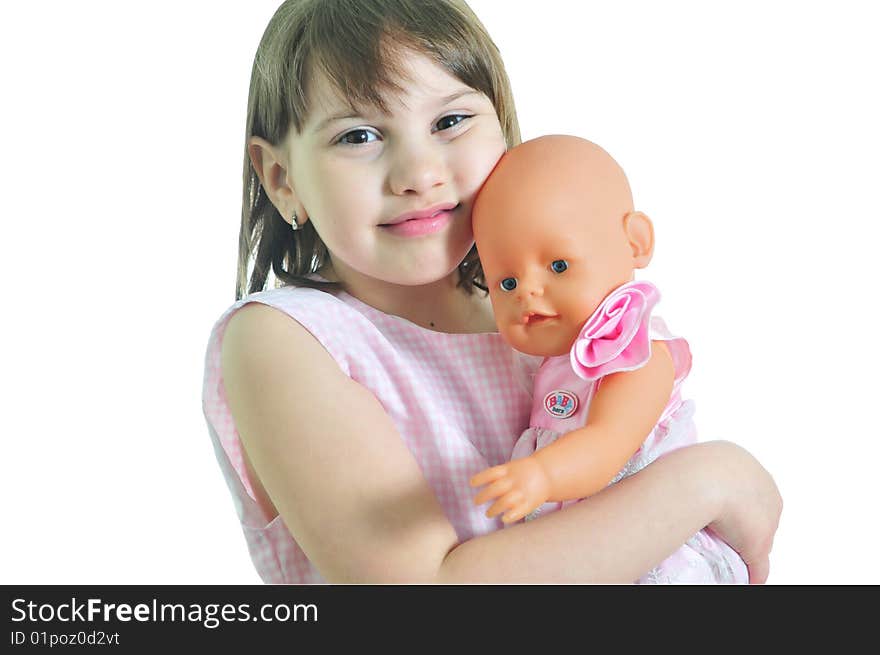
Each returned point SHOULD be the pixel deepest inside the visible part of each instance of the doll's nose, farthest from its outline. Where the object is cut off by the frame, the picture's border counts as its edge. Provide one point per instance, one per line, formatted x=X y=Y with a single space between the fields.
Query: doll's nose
x=527 y=291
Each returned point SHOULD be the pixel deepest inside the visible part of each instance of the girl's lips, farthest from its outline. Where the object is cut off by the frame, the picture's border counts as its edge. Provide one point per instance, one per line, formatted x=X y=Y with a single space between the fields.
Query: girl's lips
x=416 y=227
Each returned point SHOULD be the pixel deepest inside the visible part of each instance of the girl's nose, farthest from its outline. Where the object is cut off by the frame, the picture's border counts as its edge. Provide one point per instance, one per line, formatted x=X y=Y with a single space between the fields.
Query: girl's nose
x=417 y=170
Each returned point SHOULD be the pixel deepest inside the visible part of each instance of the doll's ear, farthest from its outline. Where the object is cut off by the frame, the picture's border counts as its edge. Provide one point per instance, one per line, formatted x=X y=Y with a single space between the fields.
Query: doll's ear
x=640 y=233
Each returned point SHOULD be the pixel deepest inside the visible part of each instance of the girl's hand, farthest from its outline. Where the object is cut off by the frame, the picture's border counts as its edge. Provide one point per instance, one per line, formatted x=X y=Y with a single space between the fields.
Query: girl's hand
x=750 y=509
x=520 y=486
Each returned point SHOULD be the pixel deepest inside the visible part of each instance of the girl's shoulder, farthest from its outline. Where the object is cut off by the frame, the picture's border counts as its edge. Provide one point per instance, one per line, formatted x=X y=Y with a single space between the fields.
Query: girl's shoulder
x=334 y=323
x=306 y=305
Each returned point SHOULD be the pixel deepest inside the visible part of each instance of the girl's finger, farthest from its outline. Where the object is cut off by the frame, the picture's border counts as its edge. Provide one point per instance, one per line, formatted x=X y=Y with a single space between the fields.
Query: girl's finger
x=759 y=570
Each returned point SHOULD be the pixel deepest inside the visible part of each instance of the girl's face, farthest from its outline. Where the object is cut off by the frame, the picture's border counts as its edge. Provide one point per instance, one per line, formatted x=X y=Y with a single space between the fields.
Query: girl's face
x=391 y=194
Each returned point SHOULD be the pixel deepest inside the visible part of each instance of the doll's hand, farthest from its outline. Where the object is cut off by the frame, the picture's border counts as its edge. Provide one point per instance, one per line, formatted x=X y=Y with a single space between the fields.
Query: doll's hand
x=519 y=486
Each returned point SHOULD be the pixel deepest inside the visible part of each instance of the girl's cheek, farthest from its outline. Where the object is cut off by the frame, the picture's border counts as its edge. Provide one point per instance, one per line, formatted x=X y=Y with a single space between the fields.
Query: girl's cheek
x=475 y=164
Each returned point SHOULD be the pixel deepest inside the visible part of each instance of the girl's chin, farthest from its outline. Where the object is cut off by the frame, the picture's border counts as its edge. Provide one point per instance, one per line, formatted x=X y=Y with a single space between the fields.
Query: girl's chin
x=424 y=277
x=429 y=272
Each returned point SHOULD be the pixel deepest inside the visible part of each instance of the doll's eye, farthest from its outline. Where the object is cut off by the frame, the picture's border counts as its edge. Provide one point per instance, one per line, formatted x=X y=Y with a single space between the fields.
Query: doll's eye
x=559 y=266
x=508 y=284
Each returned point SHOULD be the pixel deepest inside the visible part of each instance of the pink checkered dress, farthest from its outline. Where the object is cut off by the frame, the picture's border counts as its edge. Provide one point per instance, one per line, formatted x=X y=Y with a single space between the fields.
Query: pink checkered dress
x=459 y=402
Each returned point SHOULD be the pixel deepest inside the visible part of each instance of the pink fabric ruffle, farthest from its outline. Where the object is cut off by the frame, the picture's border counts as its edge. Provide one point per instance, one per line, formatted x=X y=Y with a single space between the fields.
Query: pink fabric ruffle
x=616 y=337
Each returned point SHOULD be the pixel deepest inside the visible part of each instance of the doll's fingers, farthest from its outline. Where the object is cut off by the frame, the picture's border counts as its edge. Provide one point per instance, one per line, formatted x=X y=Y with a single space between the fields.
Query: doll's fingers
x=504 y=503
x=488 y=475
x=518 y=512
x=494 y=490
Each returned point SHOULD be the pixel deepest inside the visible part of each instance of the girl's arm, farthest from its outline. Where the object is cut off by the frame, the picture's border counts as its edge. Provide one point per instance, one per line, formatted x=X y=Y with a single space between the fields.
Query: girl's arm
x=620 y=533
x=623 y=411
x=359 y=506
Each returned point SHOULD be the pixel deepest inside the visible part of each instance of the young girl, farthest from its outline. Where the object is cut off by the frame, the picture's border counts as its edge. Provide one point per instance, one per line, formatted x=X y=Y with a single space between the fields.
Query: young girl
x=350 y=407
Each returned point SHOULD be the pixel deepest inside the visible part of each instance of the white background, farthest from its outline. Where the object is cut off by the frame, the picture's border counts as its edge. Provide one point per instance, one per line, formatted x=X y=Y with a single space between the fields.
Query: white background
x=749 y=132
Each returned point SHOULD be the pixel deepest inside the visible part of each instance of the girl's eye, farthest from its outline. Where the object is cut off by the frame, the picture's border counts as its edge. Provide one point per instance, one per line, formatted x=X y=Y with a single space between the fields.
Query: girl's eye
x=508 y=284
x=450 y=121
x=357 y=137
x=559 y=266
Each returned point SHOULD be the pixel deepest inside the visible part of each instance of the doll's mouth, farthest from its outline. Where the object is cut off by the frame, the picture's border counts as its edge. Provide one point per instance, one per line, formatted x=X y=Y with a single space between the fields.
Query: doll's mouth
x=537 y=318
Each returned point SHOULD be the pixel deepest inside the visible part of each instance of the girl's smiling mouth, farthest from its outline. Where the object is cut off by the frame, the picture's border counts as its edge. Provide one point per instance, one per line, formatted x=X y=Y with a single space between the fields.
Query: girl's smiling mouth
x=421 y=222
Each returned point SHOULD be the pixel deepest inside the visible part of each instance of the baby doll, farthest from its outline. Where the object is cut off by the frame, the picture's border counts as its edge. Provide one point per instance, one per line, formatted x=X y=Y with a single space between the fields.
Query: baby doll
x=559 y=242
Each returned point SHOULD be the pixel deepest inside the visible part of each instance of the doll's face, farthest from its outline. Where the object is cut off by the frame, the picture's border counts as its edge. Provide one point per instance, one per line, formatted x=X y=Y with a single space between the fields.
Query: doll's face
x=548 y=273
x=556 y=233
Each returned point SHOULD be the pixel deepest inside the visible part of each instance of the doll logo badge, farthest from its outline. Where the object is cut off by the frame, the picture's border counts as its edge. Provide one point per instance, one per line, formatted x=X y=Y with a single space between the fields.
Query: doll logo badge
x=560 y=403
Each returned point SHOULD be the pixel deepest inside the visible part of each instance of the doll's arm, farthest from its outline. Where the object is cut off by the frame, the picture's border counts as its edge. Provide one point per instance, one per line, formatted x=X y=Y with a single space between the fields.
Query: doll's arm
x=623 y=411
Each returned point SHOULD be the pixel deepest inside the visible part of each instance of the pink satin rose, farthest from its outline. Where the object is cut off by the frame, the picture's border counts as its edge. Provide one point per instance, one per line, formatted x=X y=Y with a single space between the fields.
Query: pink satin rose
x=616 y=337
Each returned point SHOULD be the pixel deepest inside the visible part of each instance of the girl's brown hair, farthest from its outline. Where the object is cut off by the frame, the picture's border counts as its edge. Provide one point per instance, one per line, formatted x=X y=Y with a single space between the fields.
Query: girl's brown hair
x=353 y=43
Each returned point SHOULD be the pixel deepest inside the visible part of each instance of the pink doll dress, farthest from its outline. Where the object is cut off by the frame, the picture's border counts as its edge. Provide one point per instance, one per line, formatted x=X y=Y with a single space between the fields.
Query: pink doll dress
x=617 y=338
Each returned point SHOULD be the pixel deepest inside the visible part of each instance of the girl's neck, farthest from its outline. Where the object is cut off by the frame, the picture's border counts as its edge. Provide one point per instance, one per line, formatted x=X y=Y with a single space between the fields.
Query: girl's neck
x=441 y=306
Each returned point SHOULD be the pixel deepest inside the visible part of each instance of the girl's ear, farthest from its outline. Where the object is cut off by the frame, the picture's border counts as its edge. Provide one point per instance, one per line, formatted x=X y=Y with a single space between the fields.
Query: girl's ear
x=640 y=233
x=270 y=164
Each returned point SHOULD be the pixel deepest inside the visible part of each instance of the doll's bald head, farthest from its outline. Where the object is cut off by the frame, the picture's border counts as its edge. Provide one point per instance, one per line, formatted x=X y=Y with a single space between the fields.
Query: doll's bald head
x=555 y=175
x=556 y=232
